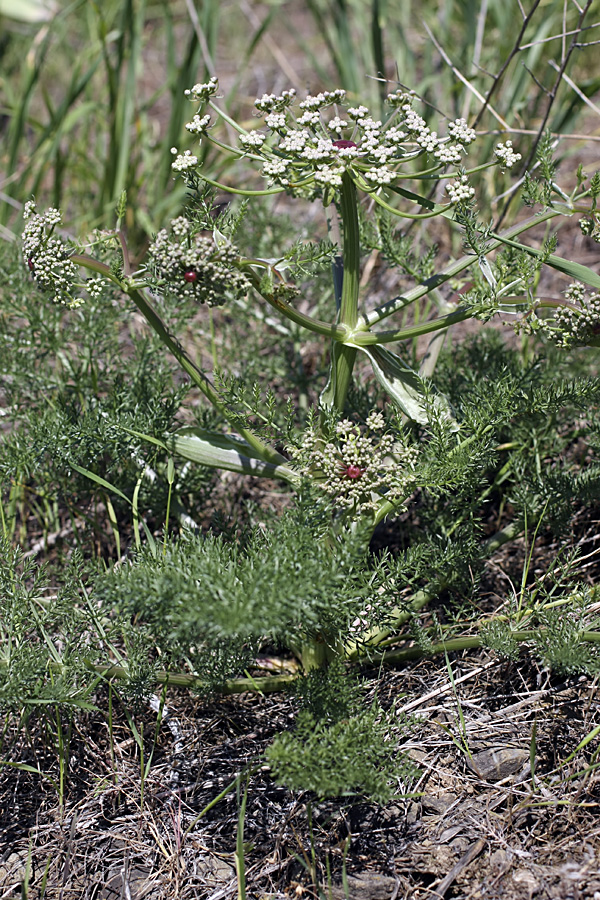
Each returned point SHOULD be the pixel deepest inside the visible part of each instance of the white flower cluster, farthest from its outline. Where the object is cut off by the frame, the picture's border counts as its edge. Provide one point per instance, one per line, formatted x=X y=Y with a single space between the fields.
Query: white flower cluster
x=48 y=257
x=253 y=139
x=275 y=169
x=198 y=125
x=331 y=175
x=272 y=102
x=460 y=191
x=202 y=92
x=320 y=147
x=591 y=227
x=506 y=155
x=316 y=140
x=356 y=469
x=577 y=322
x=323 y=99
x=94 y=287
x=183 y=161
x=459 y=131
x=195 y=267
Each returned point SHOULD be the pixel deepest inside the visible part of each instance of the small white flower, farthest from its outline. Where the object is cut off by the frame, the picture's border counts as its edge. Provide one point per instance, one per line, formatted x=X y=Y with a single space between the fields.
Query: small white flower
x=382 y=154
x=380 y=175
x=181 y=226
x=203 y=91
x=266 y=102
x=294 y=141
x=370 y=124
x=460 y=191
x=448 y=153
x=309 y=118
x=253 y=139
x=369 y=142
x=94 y=287
x=184 y=161
x=198 y=125
x=460 y=132
x=375 y=421
x=413 y=121
x=394 y=135
x=336 y=124
x=276 y=121
x=400 y=98
x=275 y=102
x=358 y=112
x=275 y=169
x=506 y=155
x=350 y=152
x=331 y=175
x=323 y=99
x=52 y=216
x=324 y=149
x=428 y=140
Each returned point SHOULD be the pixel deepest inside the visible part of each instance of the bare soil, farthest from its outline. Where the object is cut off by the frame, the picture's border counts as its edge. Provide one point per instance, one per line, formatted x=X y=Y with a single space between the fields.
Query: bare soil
x=478 y=821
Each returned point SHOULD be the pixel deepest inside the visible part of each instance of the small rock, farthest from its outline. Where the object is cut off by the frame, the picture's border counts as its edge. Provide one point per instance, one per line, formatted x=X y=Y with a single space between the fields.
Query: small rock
x=524 y=878
x=368 y=886
x=12 y=870
x=496 y=765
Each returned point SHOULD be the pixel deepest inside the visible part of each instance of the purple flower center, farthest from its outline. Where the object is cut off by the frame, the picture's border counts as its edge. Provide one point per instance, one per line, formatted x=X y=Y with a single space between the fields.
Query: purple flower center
x=190 y=276
x=343 y=145
x=352 y=471
x=30 y=264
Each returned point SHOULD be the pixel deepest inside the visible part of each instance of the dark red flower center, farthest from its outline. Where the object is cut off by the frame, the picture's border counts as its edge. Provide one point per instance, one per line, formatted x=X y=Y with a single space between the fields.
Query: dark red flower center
x=343 y=145
x=190 y=276
x=352 y=471
x=30 y=264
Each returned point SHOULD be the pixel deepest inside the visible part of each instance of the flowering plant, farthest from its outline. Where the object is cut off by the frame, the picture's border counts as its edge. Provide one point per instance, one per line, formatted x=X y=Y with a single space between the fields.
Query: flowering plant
x=322 y=149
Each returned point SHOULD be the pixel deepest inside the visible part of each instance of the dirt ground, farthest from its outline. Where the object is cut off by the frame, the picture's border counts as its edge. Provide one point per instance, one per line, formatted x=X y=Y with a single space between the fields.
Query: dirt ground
x=476 y=822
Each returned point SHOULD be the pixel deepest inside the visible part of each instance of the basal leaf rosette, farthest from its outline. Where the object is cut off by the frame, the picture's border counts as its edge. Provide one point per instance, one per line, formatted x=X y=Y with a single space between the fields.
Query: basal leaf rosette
x=358 y=468
x=308 y=145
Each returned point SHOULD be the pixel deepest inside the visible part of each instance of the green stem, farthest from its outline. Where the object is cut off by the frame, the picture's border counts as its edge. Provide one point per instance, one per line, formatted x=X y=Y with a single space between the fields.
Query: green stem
x=197 y=375
x=343 y=357
x=271 y=683
x=400 y=616
x=365 y=338
x=199 y=378
x=451 y=646
x=392 y=306
x=336 y=332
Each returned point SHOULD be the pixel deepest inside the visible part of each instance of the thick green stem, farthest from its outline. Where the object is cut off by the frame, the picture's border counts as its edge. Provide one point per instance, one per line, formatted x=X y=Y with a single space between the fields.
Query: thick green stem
x=400 y=616
x=337 y=332
x=343 y=357
x=367 y=338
